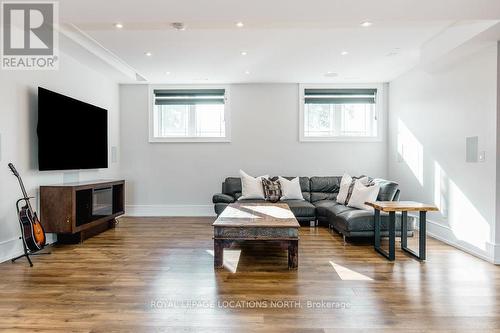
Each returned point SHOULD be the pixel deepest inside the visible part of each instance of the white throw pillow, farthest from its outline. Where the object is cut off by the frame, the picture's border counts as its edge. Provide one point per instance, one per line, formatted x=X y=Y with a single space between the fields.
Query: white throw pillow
x=345 y=183
x=345 y=187
x=251 y=187
x=290 y=189
x=361 y=194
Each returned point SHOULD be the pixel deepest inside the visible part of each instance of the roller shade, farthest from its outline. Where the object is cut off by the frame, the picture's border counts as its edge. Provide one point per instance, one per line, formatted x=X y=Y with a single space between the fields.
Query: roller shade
x=340 y=96
x=189 y=96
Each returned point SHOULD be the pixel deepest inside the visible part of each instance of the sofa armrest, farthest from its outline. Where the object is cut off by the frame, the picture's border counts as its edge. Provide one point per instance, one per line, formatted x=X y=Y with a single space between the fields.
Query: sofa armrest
x=223 y=198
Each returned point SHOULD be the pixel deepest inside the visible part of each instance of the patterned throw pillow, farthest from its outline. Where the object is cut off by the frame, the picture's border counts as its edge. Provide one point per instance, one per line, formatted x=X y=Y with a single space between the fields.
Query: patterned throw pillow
x=272 y=189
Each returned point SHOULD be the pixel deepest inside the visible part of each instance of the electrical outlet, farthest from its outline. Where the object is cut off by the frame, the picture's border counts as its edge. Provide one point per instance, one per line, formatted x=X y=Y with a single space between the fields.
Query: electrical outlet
x=482 y=156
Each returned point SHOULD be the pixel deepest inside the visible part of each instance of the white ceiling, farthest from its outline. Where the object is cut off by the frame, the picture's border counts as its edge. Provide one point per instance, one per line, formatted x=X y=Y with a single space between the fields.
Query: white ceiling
x=286 y=40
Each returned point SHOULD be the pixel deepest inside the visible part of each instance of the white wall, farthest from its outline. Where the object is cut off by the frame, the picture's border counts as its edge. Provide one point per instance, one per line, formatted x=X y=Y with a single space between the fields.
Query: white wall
x=180 y=178
x=18 y=144
x=433 y=110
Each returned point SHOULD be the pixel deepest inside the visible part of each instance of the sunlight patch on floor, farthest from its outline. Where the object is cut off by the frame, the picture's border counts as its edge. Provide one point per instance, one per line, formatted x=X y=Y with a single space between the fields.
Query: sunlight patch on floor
x=231 y=259
x=347 y=274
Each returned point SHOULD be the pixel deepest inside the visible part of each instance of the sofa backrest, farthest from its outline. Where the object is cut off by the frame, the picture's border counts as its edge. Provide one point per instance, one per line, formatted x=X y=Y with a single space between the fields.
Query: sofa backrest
x=388 y=189
x=232 y=186
x=319 y=188
x=324 y=188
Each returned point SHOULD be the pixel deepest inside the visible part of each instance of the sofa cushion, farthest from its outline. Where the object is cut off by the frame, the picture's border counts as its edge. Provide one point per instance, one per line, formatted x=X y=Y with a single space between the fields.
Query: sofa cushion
x=362 y=220
x=324 y=188
x=325 y=207
x=388 y=189
x=222 y=198
x=301 y=208
x=219 y=208
x=355 y=220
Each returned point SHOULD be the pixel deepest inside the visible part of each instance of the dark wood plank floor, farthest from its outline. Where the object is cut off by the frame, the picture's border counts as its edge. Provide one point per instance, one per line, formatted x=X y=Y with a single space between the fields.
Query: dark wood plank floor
x=156 y=275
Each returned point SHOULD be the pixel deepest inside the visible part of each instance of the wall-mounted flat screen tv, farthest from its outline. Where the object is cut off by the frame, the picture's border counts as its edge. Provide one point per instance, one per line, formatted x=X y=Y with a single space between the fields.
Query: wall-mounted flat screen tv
x=72 y=134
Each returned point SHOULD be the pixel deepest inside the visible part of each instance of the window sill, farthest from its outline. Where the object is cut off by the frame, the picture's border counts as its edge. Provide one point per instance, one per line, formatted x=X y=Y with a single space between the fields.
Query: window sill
x=187 y=140
x=341 y=139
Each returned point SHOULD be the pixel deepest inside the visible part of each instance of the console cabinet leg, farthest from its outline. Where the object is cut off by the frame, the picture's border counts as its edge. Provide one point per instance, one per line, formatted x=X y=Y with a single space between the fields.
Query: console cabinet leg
x=293 y=254
x=218 y=253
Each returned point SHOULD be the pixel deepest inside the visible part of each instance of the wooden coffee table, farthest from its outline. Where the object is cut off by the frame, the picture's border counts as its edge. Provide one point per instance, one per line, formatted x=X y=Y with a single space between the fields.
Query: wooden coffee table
x=257 y=222
x=404 y=207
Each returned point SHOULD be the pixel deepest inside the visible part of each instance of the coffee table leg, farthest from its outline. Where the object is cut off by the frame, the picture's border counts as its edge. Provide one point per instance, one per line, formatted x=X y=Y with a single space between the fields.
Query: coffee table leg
x=218 y=253
x=293 y=254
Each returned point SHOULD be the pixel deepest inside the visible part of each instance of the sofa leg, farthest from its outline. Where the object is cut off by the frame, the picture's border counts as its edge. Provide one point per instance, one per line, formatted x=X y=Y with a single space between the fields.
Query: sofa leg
x=343 y=236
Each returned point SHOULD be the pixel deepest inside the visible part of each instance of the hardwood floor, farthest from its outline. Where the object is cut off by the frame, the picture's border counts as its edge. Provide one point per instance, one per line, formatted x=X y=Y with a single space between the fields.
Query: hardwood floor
x=156 y=275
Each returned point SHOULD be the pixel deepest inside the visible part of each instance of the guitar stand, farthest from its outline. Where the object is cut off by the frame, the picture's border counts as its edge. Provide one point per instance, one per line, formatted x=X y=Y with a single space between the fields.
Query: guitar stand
x=27 y=253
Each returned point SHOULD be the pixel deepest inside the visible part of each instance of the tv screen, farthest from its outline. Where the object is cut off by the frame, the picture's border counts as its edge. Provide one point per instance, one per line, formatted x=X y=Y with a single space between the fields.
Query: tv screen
x=71 y=134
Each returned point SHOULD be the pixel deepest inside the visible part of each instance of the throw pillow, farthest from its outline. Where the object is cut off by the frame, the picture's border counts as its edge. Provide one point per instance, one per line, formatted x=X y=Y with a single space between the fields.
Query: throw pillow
x=272 y=189
x=362 y=179
x=345 y=183
x=346 y=187
x=290 y=189
x=362 y=194
x=251 y=187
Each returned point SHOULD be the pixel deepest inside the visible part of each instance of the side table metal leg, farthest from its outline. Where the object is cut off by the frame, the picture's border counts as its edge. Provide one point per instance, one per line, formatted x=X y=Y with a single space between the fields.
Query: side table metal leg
x=376 y=226
x=421 y=239
x=422 y=235
x=392 y=236
x=404 y=229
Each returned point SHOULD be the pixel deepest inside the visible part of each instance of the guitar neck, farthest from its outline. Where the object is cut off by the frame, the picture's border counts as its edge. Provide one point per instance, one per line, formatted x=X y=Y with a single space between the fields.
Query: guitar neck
x=25 y=194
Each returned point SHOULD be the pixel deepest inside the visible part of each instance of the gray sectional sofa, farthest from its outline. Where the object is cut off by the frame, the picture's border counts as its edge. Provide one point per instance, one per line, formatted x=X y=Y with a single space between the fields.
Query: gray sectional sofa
x=319 y=204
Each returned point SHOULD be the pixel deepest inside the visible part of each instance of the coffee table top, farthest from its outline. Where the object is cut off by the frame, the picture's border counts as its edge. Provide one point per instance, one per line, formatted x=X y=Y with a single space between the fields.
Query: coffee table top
x=395 y=206
x=269 y=215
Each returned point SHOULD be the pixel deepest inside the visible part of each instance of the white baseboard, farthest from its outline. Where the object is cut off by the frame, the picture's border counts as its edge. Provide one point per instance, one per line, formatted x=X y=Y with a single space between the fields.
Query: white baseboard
x=445 y=234
x=169 y=210
x=11 y=248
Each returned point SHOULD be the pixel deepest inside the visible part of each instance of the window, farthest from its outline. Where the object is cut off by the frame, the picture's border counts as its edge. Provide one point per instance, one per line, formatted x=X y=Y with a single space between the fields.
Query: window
x=189 y=115
x=341 y=114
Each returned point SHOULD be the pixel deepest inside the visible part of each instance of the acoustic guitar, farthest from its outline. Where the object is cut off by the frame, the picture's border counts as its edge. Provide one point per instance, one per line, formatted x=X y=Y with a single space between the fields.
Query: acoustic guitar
x=32 y=229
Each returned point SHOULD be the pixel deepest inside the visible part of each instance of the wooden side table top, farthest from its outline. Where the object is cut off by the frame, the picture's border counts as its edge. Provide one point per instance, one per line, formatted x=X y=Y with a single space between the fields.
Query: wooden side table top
x=399 y=206
x=257 y=215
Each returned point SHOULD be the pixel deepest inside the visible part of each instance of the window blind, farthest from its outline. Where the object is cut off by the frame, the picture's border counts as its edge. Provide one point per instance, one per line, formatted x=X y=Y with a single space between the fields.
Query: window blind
x=340 y=96
x=189 y=96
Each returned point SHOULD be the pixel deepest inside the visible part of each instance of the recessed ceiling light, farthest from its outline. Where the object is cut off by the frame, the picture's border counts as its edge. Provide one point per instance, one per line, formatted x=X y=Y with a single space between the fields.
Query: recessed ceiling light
x=247 y=72
x=118 y=25
x=243 y=53
x=366 y=24
x=148 y=54
x=331 y=74
x=167 y=73
x=239 y=24
x=344 y=53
